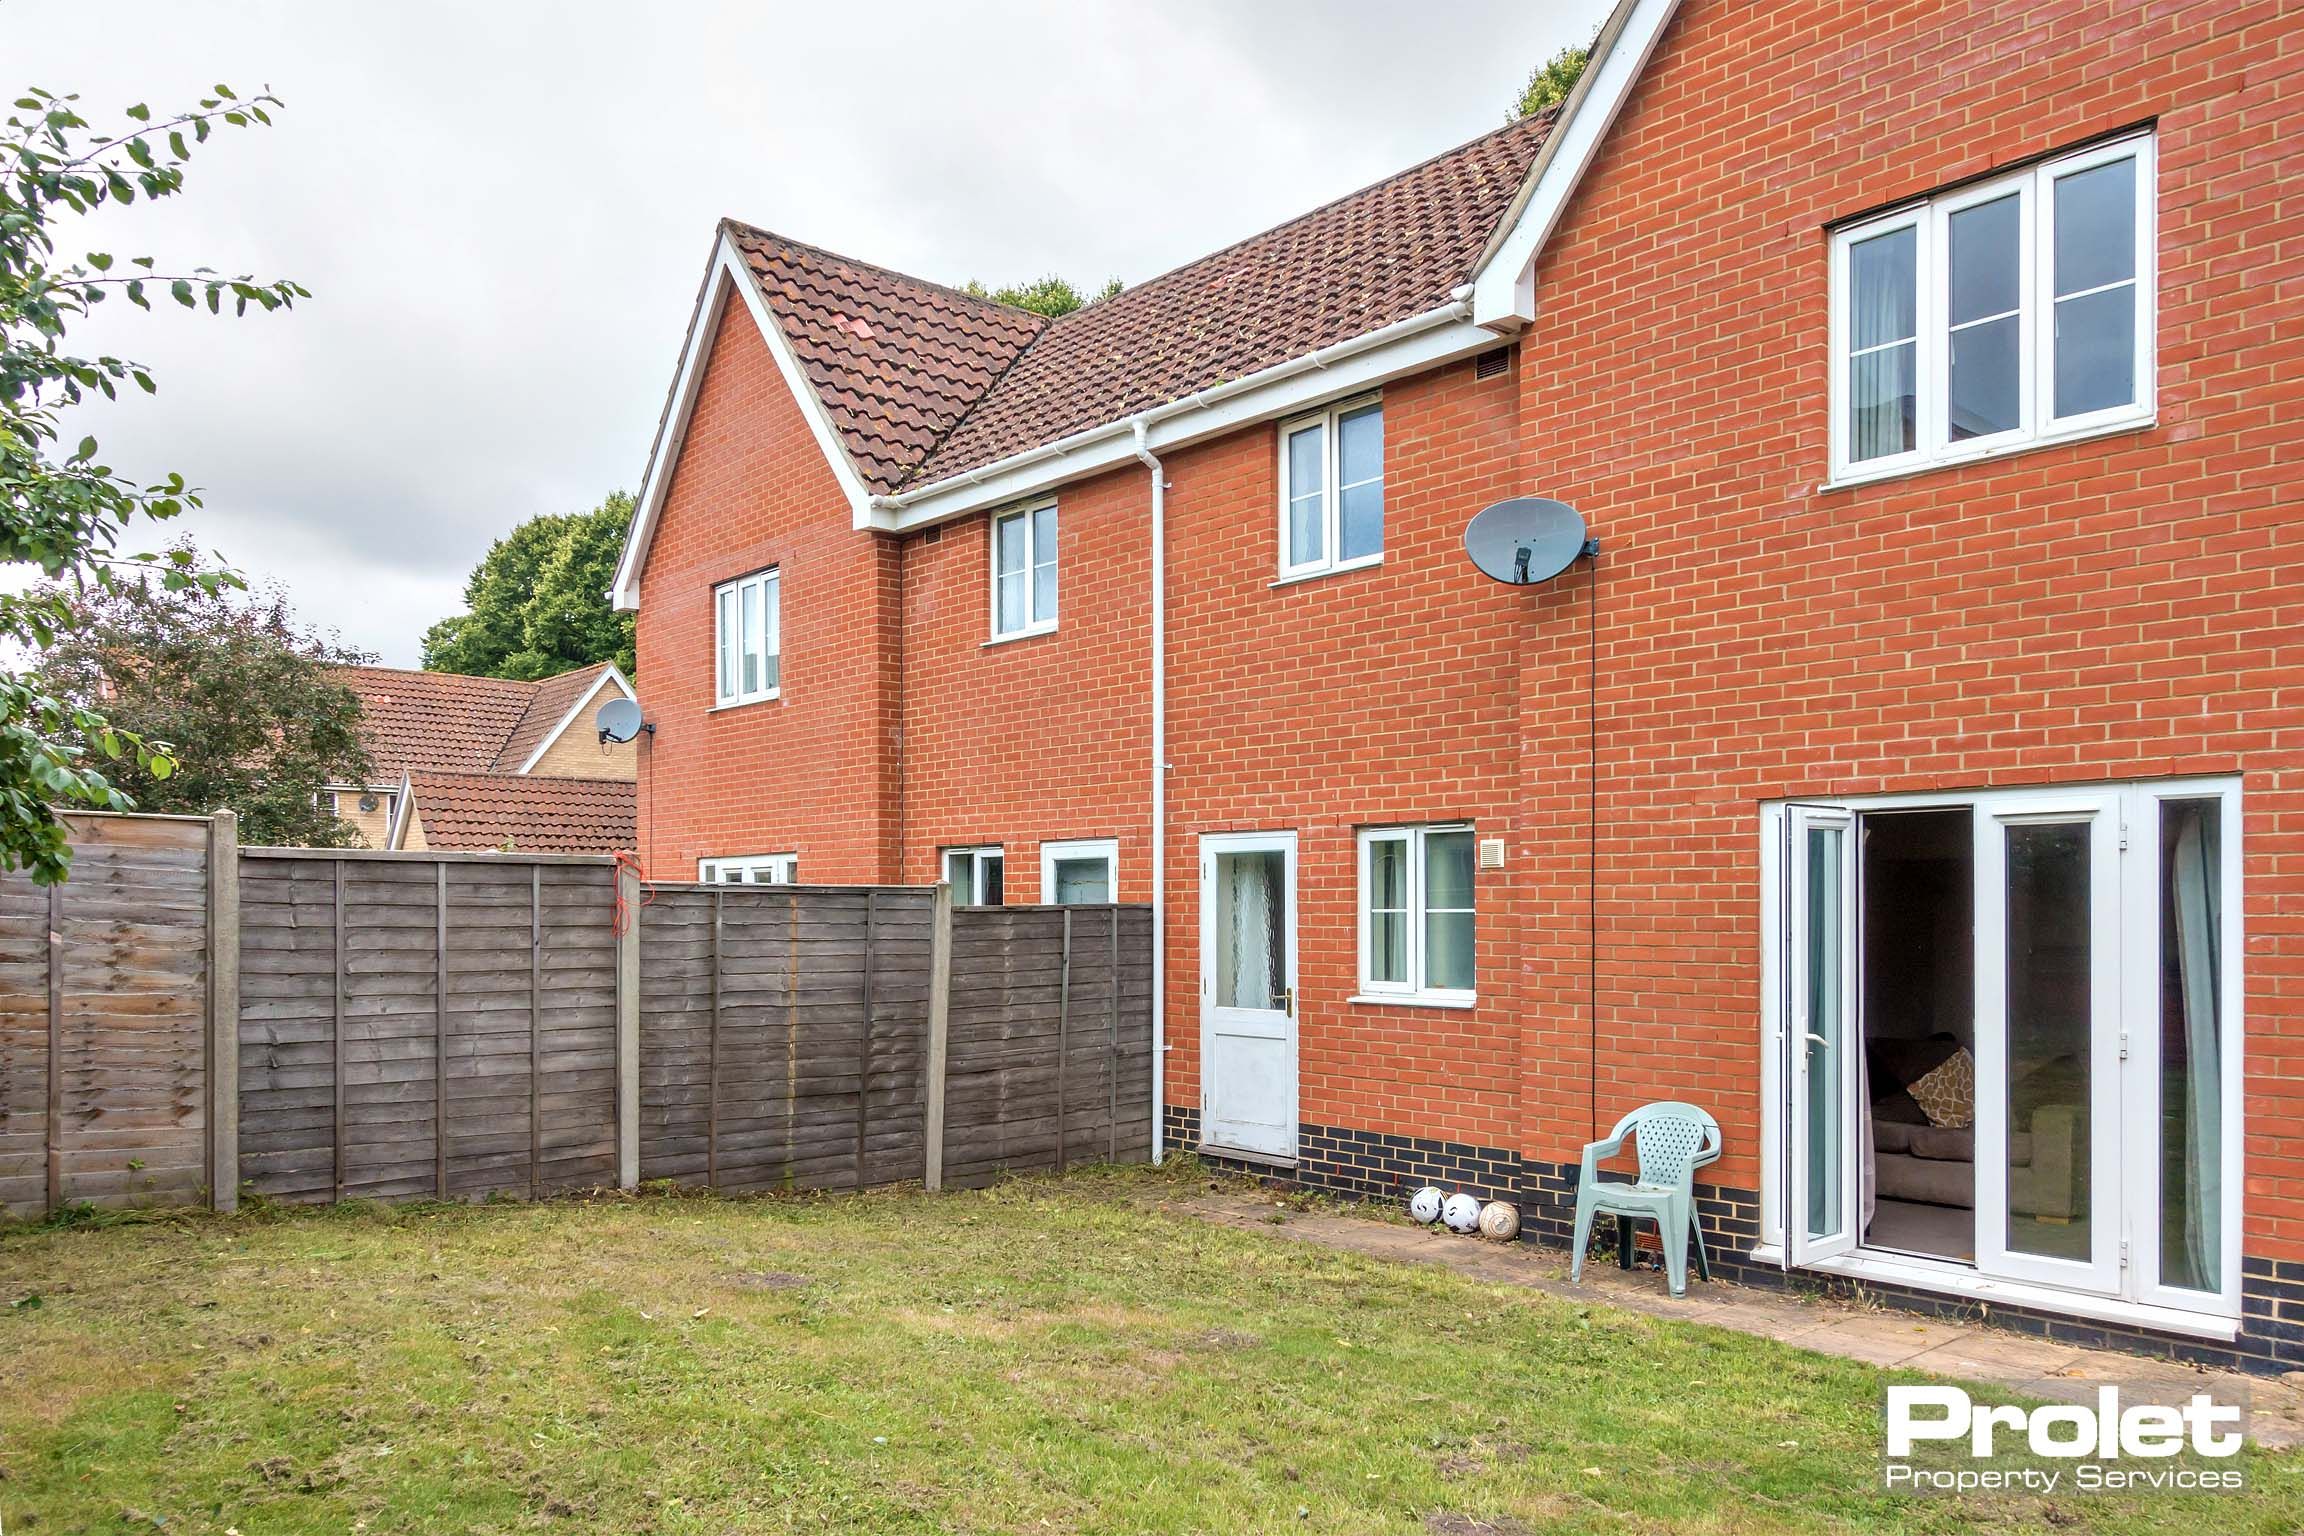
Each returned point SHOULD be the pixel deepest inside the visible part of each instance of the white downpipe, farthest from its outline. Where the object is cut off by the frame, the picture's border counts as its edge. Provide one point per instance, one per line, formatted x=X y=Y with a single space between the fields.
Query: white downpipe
x=1144 y=452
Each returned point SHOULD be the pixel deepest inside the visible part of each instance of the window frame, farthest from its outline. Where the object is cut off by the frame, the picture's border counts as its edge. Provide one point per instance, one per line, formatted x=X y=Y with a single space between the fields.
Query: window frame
x=1105 y=848
x=1930 y=219
x=978 y=855
x=727 y=669
x=1329 y=418
x=1415 y=991
x=779 y=869
x=1029 y=512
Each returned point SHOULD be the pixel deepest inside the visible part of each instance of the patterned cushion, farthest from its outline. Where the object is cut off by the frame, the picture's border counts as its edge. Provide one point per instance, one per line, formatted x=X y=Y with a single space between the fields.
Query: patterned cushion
x=1947 y=1095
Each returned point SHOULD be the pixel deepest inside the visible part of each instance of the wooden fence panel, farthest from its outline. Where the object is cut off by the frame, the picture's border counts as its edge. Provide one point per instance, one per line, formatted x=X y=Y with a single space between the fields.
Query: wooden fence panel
x=448 y=1026
x=103 y=1009
x=1050 y=1055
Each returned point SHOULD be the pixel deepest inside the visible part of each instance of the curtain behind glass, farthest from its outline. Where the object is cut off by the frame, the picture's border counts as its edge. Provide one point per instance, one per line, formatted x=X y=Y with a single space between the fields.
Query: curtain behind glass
x=2193 y=888
x=1883 y=345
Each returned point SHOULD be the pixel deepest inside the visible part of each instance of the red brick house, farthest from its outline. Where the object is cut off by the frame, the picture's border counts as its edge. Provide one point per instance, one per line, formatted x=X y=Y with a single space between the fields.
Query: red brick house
x=1915 y=778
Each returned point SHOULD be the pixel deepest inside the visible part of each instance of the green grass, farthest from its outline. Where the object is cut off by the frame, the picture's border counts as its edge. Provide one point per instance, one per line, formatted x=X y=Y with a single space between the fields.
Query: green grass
x=1044 y=1356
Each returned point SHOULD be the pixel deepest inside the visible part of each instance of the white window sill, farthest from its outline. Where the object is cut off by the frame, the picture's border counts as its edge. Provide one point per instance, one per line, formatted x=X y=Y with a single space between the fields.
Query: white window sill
x=1414 y=1000
x=1902 y=468
x=1365 y=562
x=1031 y=632
x=769 y=697
x=1959 y=1280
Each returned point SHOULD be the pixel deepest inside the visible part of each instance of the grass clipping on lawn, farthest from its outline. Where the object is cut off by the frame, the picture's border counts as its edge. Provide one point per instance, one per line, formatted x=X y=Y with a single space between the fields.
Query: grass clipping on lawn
x=1047 y=1355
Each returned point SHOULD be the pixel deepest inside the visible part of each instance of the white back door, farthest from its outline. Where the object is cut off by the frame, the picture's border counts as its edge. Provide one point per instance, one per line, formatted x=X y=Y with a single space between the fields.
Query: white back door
x=1248 y=993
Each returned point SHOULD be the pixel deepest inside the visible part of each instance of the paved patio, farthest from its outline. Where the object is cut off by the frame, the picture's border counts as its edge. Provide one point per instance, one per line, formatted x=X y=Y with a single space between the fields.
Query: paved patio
x=2050 y=1371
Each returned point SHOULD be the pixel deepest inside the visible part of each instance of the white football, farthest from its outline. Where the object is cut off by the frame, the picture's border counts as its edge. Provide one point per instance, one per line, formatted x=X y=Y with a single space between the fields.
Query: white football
x=1424 y=1205
x=1462 y=1212
x=1499 y=1221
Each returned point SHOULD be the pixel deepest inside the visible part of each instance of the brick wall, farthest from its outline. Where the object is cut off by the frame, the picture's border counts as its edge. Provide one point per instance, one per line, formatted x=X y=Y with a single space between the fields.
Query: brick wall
x=579 y=754
x=2116 y=609
x=812 y=772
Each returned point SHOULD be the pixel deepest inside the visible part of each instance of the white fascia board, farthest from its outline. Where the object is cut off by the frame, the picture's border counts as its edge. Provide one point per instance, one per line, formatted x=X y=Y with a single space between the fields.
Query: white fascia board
x=1185 y=422
x=1504 y=291
x=729 y=275
x=609 y=673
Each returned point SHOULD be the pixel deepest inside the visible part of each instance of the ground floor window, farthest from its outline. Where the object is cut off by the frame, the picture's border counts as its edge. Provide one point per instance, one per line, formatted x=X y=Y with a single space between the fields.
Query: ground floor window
x=1086 y=872
x=2003 y=1038
x=750 y=869
x=1416 y=914
x=976 y=875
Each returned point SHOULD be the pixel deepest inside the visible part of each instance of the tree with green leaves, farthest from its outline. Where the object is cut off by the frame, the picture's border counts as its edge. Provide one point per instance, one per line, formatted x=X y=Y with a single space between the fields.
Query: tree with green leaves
x=537 y=604
x=257 y=719
x=1551 y=81
x=68 y=511
x=1050 y=295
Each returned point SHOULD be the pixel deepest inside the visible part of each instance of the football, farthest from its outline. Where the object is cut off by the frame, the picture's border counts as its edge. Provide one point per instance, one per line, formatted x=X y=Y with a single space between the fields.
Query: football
x=1424 y=1205
x=1499 y=1221
x=1462 y=1212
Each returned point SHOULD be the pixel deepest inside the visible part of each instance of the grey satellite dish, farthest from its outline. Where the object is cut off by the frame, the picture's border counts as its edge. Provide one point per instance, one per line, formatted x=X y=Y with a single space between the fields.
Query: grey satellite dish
x=619 y=720
x=1527 y=540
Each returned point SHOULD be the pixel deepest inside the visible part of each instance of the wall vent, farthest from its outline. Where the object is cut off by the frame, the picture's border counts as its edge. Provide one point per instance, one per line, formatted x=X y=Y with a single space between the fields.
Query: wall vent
x=1493 y=364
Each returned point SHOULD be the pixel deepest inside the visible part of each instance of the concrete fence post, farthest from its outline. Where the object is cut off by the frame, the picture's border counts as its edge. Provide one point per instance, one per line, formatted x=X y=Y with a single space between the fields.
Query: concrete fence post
x=628 y=1027
x=224 y=1011
x=939 y=1029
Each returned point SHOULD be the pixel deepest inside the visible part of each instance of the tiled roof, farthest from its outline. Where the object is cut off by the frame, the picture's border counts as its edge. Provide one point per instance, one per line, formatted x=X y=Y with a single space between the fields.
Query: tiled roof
x=547 y=707
x=923 y=382
x=444 y=721
x=897 y=361
x=475 y=812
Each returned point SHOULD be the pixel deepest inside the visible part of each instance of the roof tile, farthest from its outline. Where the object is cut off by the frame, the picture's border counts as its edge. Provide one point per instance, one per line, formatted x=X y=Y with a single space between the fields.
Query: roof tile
x=477 y=812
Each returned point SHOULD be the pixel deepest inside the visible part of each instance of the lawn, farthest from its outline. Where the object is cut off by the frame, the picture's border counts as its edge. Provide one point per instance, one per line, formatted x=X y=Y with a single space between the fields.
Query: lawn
x=1048 y=1355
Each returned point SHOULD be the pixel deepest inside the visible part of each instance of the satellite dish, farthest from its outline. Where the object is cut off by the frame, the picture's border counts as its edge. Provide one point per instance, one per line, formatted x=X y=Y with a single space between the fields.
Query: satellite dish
x=1526 y=540
x=619 y=720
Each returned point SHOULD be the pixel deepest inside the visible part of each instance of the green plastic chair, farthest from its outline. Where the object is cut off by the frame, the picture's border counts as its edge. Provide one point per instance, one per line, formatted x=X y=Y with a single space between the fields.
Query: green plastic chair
x=1675 y=1140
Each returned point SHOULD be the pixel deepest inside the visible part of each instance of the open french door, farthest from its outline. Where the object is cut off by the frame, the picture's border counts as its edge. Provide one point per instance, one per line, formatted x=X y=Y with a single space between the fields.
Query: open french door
x=1819 y=1045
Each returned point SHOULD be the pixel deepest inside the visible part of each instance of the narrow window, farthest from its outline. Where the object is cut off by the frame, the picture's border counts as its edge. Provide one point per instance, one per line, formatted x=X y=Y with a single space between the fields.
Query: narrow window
x=1416 y=914
x=1024 y=571
x=2000 y=315
x=1332 y=489
x=1077 y=873
x=748 y=624
x=750 y=869
x=976 y=875
x=2191 y=993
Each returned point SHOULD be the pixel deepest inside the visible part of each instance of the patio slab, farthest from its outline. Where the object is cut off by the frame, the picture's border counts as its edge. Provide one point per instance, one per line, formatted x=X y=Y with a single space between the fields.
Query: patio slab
x=1851 y=1329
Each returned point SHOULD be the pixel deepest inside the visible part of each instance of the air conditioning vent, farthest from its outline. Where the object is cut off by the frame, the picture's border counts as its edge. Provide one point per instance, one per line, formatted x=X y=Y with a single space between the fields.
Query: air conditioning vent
x=1493 y=364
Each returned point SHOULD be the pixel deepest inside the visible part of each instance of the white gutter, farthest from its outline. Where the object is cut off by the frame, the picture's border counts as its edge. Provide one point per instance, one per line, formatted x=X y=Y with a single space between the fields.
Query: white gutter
x=1108 y=434
x=1139 y=429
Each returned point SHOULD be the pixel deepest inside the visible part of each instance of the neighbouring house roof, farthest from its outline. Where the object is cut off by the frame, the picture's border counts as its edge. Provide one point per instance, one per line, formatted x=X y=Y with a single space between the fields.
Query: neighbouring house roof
x=443 y=721
x=478 y=812
x=923 y=382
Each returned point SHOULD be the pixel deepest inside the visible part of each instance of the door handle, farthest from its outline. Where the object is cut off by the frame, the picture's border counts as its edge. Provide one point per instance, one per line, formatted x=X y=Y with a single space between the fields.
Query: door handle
x=1288 y=1001
x=1815 y=1039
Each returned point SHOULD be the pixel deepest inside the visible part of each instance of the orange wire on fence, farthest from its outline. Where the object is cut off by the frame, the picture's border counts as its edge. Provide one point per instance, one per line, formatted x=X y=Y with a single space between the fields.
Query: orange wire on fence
x=626 y=859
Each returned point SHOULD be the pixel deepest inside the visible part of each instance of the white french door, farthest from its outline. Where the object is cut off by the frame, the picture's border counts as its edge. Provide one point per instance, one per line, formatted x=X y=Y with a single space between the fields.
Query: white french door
x=2103 y=1134
x=1820 y=1044
x=2048 y=1009
x=1248 y=993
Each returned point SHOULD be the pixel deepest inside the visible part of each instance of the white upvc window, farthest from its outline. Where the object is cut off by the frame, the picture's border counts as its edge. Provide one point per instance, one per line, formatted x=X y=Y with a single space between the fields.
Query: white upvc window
x=976 y=875
x=2012 y=313
x=1416 y=914
x=748 y=624
x=1332 y=489
x=1082 y=873
x=750 y=869
x=1024 y=571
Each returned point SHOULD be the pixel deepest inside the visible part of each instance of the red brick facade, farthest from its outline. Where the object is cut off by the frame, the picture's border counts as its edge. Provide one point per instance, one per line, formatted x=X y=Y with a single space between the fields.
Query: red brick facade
x=2117 y=609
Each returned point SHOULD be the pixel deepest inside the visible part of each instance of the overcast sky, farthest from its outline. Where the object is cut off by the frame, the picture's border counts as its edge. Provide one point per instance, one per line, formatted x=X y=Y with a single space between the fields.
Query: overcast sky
x=503 y=210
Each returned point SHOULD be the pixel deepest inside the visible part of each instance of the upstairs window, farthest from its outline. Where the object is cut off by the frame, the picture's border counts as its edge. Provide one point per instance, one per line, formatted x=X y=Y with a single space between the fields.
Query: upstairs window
x=2014 y=312
x=748 y=620
x=976 y=875
x=1416 y=915
x=1332 y=489
x=750 y=869
x=1024 y=572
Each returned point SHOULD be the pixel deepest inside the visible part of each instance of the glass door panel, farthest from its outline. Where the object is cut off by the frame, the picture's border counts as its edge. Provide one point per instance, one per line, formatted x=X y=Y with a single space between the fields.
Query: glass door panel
x=2047 y=1059
x=1820 y=1038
